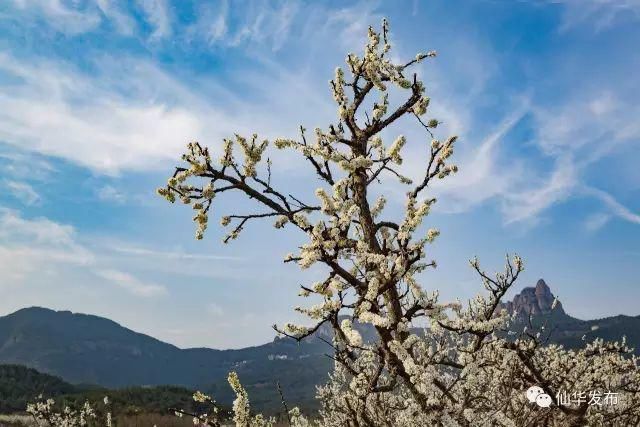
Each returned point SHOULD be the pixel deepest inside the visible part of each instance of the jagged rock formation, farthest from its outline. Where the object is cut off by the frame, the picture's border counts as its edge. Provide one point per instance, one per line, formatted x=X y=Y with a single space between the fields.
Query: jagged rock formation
x=533 y=309
x=534 y=301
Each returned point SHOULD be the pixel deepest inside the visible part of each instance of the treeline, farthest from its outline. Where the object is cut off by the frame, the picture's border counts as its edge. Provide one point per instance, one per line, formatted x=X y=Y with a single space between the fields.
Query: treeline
x=20 y=385
x=137 y=400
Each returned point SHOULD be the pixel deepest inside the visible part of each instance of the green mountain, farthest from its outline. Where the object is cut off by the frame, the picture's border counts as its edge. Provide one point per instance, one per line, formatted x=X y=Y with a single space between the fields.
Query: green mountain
x=84 y=349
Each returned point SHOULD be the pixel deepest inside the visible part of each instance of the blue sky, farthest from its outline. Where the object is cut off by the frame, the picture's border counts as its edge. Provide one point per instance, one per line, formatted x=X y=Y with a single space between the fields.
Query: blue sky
x=98 y=99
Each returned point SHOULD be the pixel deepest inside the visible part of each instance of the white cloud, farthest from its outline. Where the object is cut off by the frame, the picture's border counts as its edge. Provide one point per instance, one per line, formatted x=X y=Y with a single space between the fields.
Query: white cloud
x=22 y=165
x=109 y=124
x=481 y=175
x=572 y=137
x=30 y=246
x=109 y=193
x=350 y=23
x=598 y=14
x=254 y=21
x=146 y=252
x=264 y=23
x=527 y=204
x=23 y=191
x=44 y=233
x=61 y=112
x=158 y=16
x=123 y=22
x=576 y=135
x=75 y=18
x=257 y=23
x=212 y=22
x=616 y=208
x=587 y=126
x=131 y=284
x=65 y=17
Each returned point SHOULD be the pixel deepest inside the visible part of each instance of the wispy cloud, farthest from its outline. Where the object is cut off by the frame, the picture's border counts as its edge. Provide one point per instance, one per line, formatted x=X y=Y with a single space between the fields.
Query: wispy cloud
x=64 y=17
x=573 y=137
x=133 y=250
x=211 y=25
x=131 y=284
x=598 y=14
x=158 y=16
x=109 y=124
x=616 y=208
x=23 y=191
x=23 y=165
x=482 y=176
x=30 y=246
x=123 y=22
x=350 y=22
x=527 y=204
x=76 y=18
x=576 y=136
x=256 y=23
x=264 y=23
x=42 y=233
x=61 y=112
x=109 y=193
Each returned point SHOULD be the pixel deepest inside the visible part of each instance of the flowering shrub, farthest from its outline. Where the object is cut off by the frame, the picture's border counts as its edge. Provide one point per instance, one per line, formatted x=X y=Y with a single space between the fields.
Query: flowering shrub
x=241 y=409
x=462 y=369
x=44 y=414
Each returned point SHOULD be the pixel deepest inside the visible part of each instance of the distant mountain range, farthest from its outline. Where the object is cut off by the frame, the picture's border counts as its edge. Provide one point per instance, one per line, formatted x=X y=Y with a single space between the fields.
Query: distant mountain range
x=85 y=349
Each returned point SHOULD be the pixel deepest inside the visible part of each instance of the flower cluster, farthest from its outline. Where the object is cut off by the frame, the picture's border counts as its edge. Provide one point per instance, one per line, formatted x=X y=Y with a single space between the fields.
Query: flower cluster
x=44 y=413
x=252 y=153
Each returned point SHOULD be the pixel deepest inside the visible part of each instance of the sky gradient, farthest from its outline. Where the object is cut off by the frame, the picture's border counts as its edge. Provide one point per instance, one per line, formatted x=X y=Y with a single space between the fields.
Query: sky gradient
x=99 y=97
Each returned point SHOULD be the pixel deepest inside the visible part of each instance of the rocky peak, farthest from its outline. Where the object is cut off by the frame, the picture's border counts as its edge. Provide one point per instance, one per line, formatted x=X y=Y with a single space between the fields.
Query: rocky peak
x=544 y=296
x=534 y=300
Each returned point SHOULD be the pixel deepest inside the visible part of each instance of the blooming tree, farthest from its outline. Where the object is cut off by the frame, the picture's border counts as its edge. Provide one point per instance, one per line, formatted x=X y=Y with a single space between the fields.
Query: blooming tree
x=463 y=368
